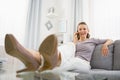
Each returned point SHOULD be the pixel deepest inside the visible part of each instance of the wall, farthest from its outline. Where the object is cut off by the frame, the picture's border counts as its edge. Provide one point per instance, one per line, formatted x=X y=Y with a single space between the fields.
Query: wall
x=105 y=18
x=63 y=10
x=13 y=14
x=13 y=18
x=46 y=4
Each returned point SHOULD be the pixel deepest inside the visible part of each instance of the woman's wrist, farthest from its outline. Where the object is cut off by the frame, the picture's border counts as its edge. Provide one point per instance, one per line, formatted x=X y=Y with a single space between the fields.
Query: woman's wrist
x=105 y=45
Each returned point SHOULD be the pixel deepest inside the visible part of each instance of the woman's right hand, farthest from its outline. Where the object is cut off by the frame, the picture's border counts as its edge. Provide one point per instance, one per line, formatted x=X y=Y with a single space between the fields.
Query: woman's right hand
x=75 y=38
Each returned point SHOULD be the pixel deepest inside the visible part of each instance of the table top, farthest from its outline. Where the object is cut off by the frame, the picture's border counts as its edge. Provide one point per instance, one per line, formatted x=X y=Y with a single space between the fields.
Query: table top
x=8 y=72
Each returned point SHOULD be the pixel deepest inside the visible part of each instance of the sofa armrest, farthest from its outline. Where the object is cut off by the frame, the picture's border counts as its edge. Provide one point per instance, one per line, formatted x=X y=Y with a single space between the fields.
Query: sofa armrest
x=116 y=56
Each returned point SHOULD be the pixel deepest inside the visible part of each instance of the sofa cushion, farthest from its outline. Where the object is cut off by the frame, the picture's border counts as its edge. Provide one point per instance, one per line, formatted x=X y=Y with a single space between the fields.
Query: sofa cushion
x=101 y=62
x=116 y=57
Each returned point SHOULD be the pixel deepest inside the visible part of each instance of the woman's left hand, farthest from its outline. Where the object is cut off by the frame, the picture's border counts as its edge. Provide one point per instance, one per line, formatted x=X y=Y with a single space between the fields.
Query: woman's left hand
x=104 y=50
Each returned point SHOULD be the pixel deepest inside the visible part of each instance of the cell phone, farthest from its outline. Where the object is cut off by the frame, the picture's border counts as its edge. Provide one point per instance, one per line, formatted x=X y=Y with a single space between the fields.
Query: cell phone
x=78 y=36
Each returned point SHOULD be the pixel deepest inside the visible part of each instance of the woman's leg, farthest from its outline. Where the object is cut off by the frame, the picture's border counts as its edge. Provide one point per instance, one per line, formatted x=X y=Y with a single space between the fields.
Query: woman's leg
x=36 y=55
x=69 y=61
x=77 y=64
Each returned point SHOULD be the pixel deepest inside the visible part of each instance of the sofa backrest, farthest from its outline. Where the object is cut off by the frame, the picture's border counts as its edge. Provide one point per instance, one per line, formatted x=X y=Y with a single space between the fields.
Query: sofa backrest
x=116 y=56
x=98 y=61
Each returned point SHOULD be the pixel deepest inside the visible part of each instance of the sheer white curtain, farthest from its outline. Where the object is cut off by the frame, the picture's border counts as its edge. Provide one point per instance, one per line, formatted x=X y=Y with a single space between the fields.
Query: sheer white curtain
x=77 y=13
x=81 y=12
x=33 y=24
x=106 y=18
x=102 y=16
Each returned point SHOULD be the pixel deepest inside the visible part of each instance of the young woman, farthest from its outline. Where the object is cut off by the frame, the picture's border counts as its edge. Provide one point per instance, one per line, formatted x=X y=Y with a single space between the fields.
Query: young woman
x=49 y=56
x=84 y=47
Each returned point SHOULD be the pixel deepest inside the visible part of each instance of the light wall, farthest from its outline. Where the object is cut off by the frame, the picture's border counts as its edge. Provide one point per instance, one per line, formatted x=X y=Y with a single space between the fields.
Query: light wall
x=13 y=14
x=105 y=18
x=13 y=17
x=63 y=10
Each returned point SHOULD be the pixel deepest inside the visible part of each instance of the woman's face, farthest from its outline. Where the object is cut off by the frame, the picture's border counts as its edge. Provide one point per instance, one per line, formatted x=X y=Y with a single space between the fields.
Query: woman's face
x=83 y=30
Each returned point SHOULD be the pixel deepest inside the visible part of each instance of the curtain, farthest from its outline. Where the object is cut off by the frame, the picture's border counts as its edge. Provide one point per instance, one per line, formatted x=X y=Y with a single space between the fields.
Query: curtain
x=81 y=12
x=33 y=24
x=106 y=18
x=77 y=13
